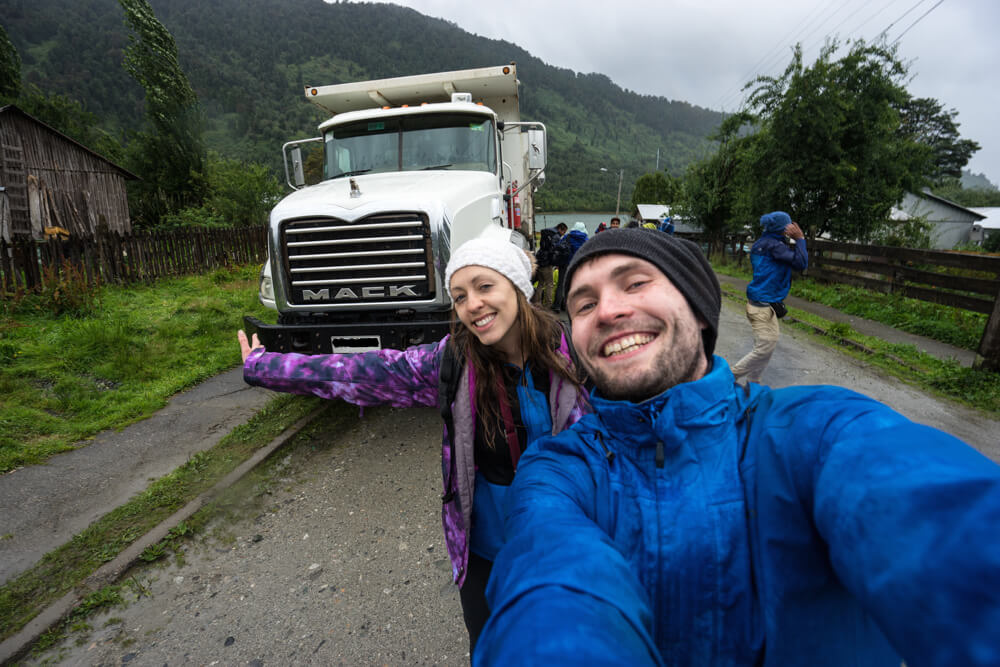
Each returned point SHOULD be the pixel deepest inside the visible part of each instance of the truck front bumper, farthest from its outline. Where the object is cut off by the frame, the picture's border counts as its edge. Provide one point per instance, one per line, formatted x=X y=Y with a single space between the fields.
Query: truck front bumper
x=344 y=338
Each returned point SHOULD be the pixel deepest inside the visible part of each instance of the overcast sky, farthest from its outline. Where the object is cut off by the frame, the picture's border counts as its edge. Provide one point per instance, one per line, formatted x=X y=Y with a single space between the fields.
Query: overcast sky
x=703 y=51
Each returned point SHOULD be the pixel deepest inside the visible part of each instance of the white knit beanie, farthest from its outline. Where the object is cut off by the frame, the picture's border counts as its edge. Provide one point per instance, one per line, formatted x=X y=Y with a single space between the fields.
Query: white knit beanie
x=493 y=250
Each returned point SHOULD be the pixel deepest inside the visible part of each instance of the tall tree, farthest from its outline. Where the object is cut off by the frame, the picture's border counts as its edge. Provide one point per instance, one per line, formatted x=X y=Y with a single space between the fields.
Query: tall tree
x=169 y=154
x=834 y=155
x=717 y=190
x=926 y=121
x=656 y=188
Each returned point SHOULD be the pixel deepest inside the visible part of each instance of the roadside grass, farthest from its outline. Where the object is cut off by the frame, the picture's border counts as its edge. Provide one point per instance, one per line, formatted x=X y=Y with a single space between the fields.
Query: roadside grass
x=974 y=388
x=61 y=570
x=955 y=326
x=114 y=358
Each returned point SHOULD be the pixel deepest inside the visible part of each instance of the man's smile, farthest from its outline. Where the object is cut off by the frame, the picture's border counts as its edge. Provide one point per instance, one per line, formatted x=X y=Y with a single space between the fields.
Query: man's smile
x=626 y=344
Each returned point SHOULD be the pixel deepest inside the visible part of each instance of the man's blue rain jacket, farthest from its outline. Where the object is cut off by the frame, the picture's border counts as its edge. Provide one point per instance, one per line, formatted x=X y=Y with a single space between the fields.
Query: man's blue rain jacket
x=773 y=262
x=717 y=526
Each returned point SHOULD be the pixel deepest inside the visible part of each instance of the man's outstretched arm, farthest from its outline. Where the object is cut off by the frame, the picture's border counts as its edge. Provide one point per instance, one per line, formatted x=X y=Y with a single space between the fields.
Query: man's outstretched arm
x=560 y=590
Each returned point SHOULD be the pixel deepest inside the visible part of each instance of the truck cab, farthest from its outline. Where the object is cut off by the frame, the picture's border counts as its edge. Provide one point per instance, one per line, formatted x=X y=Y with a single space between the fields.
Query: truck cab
x=412 y=167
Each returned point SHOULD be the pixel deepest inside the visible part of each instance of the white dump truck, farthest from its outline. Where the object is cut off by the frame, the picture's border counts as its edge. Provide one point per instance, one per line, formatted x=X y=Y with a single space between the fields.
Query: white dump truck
x=412 y=167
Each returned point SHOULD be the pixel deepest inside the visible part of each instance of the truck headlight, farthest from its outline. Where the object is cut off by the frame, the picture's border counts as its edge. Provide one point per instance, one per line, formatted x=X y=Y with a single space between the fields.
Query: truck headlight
x=266 y=287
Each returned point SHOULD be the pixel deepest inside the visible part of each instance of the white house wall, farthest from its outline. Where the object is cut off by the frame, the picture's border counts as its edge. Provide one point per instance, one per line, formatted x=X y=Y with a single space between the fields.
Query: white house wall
x=952 y=225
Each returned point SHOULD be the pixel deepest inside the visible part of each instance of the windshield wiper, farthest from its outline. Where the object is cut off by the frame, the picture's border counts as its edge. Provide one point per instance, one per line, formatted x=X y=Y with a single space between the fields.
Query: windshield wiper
x=437 y=166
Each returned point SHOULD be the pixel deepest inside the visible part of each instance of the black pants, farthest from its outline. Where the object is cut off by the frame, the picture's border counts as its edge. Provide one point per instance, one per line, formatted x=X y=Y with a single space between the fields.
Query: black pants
x=473 y=595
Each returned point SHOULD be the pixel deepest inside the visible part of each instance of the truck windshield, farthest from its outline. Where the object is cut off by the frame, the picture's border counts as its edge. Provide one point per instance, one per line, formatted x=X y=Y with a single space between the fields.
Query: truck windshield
x=411 y=143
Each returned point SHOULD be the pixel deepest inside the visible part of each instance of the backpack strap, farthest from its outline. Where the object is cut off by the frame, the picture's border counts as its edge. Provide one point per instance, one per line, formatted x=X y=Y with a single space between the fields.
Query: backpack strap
x=509 y=427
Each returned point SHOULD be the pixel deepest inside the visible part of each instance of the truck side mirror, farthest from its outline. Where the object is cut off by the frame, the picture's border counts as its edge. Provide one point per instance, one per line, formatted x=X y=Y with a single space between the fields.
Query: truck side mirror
x=298 y=172
x=536 y=149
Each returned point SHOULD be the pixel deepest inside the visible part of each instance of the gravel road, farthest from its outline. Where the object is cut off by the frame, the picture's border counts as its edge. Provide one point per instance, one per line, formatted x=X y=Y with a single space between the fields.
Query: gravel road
x=336 y=556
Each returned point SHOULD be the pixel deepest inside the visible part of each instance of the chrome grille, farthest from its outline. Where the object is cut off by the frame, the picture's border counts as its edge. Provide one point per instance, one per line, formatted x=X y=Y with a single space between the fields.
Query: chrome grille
x=381 y=258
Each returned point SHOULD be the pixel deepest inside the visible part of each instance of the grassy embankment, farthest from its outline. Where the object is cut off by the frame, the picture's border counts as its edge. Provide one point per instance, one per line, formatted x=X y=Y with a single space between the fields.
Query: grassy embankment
x=75 y=361
x=961 y=328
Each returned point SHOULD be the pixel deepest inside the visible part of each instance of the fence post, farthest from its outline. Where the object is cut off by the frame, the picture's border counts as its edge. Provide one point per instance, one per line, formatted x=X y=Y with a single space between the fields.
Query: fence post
x=989 y=347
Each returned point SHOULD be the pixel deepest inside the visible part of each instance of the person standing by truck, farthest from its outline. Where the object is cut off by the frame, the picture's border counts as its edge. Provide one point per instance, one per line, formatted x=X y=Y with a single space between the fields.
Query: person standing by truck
x=546 y=258
x=503 y=378
x=568 y=245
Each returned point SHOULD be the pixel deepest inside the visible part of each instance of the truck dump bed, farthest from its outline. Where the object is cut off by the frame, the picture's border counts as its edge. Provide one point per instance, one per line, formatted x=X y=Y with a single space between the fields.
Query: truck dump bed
x=495 y=87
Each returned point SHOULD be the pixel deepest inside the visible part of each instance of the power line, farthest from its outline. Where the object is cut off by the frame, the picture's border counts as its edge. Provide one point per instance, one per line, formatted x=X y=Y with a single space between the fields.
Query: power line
x=849 y=17
x=813 y=25
x=770 y=60
x=780 y=44
x=936 y=5
x=901 y=17
x=858 y=28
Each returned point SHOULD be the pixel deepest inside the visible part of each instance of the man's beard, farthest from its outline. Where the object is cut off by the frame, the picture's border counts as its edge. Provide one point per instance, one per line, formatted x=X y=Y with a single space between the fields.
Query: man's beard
x=677 y=362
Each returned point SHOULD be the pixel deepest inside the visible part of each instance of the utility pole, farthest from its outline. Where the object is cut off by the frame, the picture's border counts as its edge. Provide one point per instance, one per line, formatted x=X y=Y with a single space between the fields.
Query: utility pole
x=621 y=175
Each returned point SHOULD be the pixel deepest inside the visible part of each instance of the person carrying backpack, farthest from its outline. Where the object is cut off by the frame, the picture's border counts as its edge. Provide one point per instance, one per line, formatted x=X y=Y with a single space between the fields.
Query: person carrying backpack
x=567 y=247
x=546 y=259
x=503 y=378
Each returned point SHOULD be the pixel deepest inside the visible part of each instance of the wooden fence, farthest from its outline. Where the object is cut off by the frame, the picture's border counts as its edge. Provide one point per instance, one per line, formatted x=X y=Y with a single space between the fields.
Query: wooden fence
x=110 y=258
x=919 y=274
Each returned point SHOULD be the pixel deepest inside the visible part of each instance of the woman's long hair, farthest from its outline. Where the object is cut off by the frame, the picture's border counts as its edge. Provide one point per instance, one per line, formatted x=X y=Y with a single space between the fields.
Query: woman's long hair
x=540 y=331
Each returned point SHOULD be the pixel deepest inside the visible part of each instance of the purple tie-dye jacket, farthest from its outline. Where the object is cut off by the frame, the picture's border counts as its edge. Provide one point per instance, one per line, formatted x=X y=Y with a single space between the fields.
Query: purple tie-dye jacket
x=409 y=378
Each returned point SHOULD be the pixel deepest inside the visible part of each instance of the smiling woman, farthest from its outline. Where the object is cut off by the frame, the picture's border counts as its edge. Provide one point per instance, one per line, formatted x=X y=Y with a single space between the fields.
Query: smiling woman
x=502 y=379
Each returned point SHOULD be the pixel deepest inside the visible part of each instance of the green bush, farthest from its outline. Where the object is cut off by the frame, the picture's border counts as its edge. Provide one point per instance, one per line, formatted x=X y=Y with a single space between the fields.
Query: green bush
x=239 y=194
x=64 y=290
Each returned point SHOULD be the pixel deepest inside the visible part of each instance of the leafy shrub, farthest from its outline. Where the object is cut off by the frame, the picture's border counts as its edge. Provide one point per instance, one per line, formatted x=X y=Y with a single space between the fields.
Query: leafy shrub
x=992 y=242
x=239 y=194
x=64 y=290
x=193 y=217
x=915 y=233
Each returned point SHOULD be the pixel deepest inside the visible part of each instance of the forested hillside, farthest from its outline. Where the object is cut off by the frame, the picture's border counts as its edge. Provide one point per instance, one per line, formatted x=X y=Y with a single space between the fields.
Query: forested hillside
x=248 y=61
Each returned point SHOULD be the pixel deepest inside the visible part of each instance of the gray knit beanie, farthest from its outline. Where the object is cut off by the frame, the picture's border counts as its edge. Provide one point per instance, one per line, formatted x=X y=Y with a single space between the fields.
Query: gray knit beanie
x=680 y=260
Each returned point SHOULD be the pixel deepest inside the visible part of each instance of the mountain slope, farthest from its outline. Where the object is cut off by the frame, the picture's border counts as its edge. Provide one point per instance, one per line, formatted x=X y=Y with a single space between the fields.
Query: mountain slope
x=249 y=60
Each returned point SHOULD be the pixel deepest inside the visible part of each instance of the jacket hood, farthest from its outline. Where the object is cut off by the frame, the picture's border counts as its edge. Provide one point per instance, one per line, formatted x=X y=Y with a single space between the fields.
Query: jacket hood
x=775 y=222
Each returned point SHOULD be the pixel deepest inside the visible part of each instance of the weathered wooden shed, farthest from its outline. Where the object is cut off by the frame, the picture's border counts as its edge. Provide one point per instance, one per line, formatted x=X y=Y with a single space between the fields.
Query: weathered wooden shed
x=49 y=181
